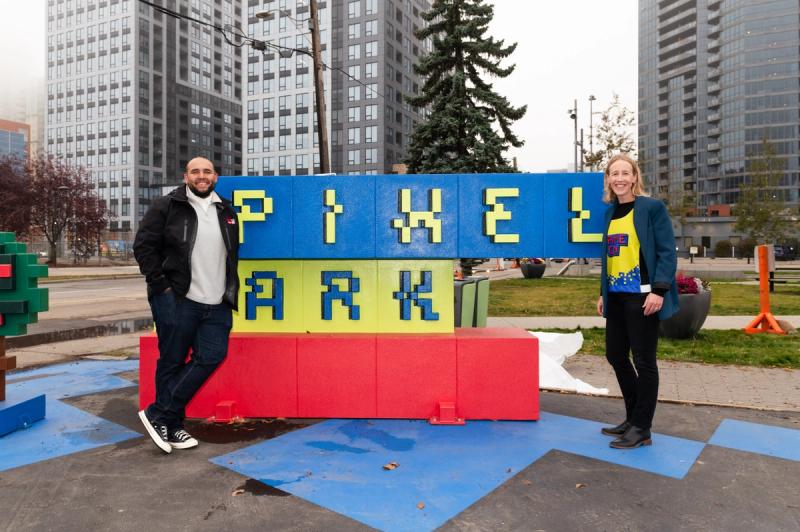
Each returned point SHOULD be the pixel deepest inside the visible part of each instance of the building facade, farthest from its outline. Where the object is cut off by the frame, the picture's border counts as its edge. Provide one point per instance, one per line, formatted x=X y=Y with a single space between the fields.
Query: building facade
x=368 y=47
x=717 y=78
x=133 y=94
x=15 y=138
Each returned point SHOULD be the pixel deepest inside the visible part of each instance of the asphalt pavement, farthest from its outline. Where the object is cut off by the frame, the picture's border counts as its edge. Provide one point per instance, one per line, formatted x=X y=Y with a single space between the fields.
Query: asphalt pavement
x=89 y=467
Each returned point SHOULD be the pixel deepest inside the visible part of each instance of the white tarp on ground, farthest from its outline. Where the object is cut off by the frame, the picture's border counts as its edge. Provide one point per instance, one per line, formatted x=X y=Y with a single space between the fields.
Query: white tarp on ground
x=554 y=349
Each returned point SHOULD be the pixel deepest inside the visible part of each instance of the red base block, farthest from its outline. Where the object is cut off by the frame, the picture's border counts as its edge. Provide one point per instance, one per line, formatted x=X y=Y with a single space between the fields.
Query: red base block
x=473 y=374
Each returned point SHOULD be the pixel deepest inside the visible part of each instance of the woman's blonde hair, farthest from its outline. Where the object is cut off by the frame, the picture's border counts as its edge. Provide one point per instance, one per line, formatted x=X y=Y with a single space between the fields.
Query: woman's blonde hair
x=638 y=187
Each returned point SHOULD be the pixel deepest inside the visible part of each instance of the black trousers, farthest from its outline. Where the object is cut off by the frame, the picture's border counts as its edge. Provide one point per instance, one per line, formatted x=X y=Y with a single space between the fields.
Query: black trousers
x=629 y=330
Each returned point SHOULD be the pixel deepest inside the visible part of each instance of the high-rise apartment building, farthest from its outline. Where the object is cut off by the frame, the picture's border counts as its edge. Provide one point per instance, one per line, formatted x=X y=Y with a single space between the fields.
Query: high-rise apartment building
x=716 y=78
x=368 y=119
x=24 y=102
x=133 y=94
x=14 y=139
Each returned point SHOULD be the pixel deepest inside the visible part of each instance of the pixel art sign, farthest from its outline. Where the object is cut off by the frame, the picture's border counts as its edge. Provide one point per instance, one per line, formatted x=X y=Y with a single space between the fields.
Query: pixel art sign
x=20 y=298
x=389 y=241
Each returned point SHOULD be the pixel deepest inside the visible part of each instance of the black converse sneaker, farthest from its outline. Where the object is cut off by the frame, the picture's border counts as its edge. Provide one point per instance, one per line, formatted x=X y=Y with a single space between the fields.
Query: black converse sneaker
x=180 y=439
x=156 y=431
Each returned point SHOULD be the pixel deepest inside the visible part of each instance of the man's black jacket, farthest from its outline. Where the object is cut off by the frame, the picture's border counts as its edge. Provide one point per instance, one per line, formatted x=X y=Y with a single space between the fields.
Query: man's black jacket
x=166 y=237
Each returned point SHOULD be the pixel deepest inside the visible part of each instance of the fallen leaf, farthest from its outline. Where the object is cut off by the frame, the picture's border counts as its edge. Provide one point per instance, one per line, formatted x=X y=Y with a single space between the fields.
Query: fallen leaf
x=421 y=505
x=390 y=466
x=580 y=485
x=526 y=482
x=238 y=491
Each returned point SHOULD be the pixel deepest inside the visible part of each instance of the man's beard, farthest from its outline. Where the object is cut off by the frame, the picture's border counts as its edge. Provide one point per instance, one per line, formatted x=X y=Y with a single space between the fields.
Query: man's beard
x=201 y=194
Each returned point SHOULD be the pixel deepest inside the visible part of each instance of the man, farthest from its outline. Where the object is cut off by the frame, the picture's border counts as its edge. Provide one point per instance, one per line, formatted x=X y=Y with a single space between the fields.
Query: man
x=187 y=248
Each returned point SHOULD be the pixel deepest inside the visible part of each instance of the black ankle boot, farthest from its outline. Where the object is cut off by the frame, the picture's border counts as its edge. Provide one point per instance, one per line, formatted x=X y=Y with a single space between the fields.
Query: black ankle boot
x=633 y=437
x=619 y=430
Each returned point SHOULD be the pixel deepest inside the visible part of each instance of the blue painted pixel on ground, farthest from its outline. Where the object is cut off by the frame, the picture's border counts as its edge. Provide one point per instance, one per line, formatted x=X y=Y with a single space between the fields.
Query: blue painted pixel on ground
x=756 y=438
x=339 y=464
x=65 y=429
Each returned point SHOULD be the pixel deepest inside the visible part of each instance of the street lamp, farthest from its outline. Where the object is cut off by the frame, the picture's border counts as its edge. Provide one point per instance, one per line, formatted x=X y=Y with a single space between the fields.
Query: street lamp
x=573 y=114
x=591 y=133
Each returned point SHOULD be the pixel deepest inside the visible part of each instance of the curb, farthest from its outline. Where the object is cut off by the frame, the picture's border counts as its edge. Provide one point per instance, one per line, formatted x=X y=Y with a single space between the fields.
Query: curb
x=68 y=278
x=678 y=401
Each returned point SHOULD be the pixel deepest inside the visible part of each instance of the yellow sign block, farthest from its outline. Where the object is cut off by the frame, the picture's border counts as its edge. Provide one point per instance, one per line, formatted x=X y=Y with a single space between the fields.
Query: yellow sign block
x=415 y=296
x=270 y=292
x=293 y=296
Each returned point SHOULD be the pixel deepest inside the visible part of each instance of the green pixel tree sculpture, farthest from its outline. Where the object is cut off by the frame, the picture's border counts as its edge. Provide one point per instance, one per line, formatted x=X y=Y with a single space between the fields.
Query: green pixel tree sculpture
x=20 y=297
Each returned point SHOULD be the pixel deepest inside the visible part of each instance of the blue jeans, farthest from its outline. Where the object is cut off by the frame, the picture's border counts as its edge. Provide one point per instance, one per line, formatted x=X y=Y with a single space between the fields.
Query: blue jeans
x=182 y=324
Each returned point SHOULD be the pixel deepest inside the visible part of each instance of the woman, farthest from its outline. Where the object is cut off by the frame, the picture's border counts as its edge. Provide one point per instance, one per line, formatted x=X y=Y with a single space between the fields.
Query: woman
x=638 y=289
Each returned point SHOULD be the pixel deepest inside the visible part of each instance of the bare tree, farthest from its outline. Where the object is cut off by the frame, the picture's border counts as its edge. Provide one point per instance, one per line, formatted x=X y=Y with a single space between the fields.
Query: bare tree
x=15 y=216
x=614 y=134
x=64 y=200
x=761 y=212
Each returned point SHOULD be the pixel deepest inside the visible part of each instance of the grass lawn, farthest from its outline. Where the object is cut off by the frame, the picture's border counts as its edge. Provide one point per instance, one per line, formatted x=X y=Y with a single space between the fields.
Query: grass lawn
x=578 y=297
x=715 y=347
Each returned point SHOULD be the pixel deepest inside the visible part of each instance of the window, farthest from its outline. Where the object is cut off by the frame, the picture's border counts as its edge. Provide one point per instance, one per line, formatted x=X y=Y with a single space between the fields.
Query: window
x=354 y=135
x=371 y=156
x=371 y=49
x=354 y=52
x=371 y=134
x=371 y=90
x=354 y=9
x=372 y=7
x=353 y=94
x=353 y=114
x=371 y=70
x=354 y=157
x=354 y=71
x=354 y=31
x=371 y=28
x=371 y=112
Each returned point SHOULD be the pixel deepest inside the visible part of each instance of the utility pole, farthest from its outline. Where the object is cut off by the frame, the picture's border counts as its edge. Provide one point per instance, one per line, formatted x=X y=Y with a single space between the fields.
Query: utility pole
x=591 y=134
x=319 y=91
x=582 y=152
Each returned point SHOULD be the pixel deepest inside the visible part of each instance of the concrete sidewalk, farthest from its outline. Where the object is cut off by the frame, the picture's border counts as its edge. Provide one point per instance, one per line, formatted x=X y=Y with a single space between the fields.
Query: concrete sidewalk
x=683 y=382
x=589 y=322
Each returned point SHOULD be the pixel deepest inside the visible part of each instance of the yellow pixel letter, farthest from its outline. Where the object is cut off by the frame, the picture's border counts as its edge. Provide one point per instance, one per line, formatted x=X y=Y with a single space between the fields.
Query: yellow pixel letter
x=419 y=218
x=498 y=213
x=576 y=233
x=329 y=222
x=244 y=212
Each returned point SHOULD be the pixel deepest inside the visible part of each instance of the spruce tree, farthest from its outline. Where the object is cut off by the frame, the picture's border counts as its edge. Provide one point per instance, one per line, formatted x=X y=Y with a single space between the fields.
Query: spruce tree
x=469 y=126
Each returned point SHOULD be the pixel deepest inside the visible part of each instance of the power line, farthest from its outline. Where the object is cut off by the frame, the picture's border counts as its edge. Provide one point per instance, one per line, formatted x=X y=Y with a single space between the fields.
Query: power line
x=256 y=44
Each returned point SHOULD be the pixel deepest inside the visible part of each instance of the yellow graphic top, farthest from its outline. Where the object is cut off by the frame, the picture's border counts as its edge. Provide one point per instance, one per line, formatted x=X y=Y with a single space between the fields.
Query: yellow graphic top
x=622 y=250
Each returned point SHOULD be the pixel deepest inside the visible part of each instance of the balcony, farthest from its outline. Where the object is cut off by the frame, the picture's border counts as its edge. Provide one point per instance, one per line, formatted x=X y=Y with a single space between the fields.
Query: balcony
x=713 y=117
x=713 y=146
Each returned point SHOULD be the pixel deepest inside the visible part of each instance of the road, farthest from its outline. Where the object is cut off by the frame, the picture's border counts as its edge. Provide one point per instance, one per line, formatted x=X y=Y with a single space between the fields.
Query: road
x=102 y=300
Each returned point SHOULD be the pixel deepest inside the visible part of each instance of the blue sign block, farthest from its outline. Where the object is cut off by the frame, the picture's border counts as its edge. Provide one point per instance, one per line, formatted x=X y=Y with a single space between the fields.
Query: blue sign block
x=334 y=217
x=500 y=215
x=20 y=415
x=416 y=216
x=574 y=214
x=264 y=205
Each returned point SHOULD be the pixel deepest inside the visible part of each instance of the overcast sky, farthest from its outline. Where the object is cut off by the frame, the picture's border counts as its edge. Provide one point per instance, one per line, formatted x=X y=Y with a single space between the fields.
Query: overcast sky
x=567 y=49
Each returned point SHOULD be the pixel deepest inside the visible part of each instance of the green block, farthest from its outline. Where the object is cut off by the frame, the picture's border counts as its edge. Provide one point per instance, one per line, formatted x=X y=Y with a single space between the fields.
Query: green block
x=22 y=299
x=482 y=302
x=466 y=302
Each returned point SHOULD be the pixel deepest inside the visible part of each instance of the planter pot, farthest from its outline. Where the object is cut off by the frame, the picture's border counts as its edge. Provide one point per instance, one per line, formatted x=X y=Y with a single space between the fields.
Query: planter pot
x=532 y=271
x=686 y=323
